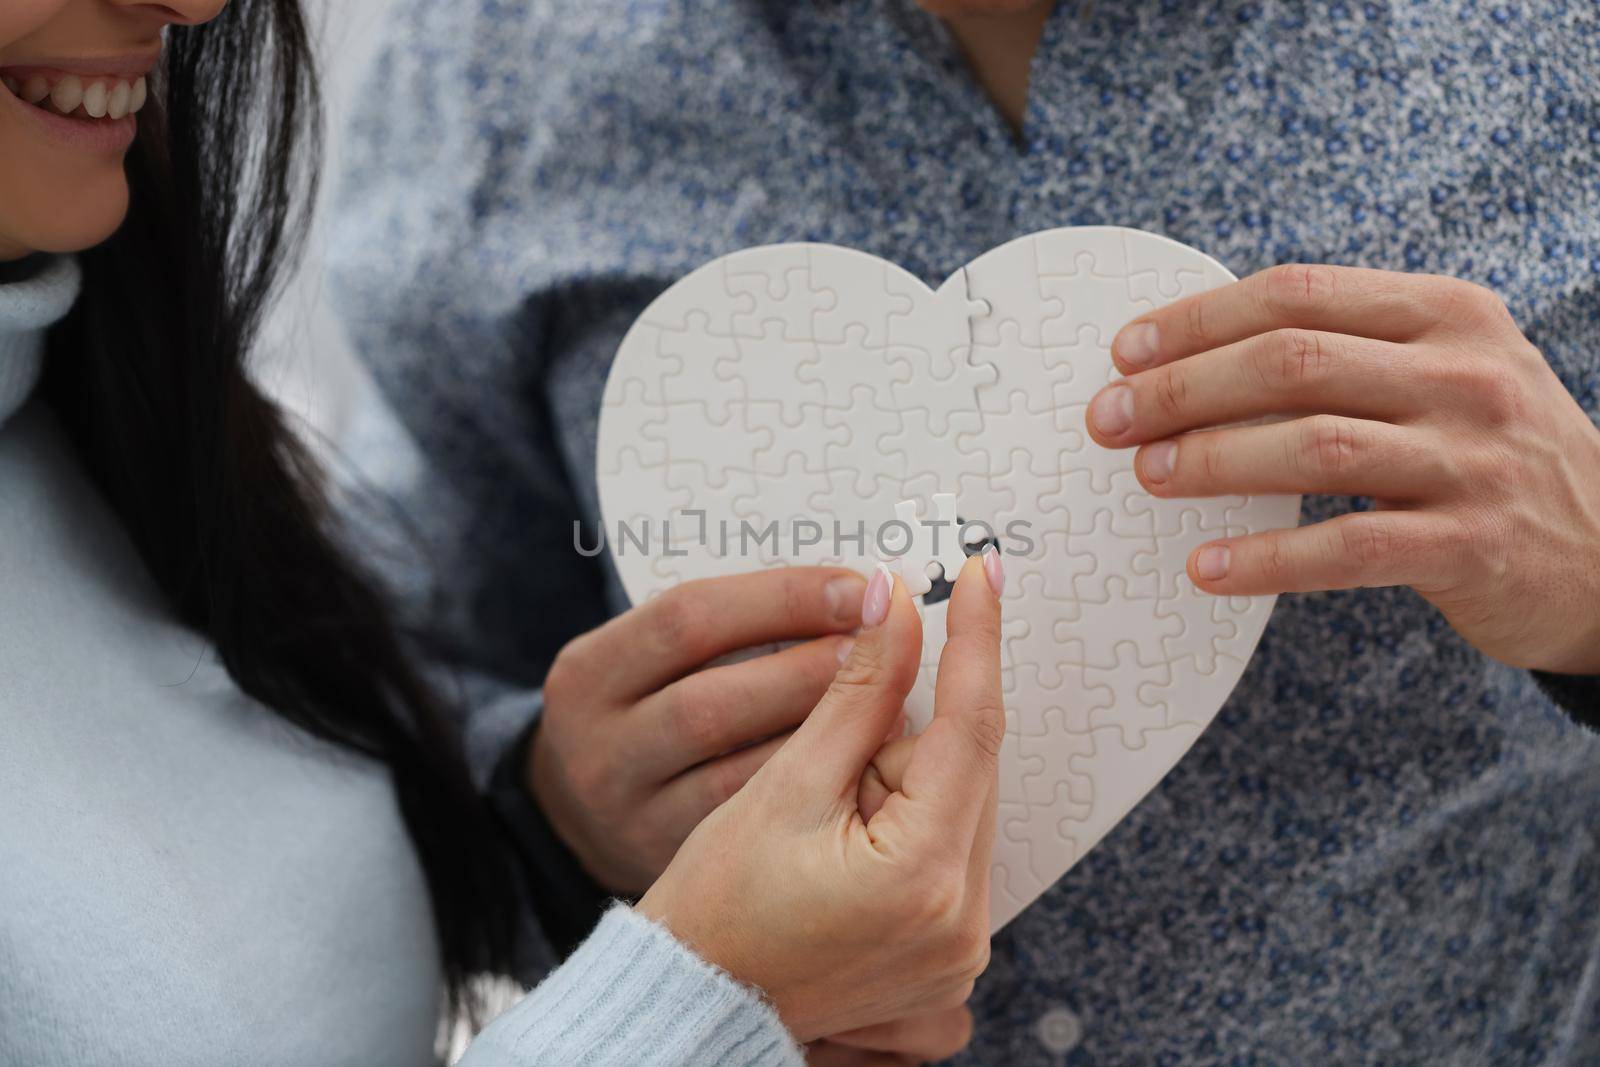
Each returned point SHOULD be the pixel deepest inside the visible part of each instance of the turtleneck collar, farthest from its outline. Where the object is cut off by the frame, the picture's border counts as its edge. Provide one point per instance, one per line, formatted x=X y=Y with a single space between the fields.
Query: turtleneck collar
x=27 y=309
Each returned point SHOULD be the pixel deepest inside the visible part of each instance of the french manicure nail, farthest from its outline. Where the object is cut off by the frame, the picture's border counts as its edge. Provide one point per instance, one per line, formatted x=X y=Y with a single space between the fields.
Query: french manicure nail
x=993 y=569
x=875 y=604
x=1112 y=410
x=1159 y=459
x=843 y=650
x=1212 y=562
x=1138 y=344
x=844 y=598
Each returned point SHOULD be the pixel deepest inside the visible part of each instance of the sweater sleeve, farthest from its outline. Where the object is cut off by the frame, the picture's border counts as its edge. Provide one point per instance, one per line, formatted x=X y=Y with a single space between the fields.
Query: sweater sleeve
x=633 y=994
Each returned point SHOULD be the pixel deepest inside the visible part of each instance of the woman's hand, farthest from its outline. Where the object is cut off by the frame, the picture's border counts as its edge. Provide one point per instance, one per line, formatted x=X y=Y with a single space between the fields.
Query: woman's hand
x=926 y=1038
x=1417 y=391
x=848 y=920
x=637 y=743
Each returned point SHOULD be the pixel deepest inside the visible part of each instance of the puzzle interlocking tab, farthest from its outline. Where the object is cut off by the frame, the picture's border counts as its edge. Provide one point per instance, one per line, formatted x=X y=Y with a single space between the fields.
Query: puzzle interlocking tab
x=785 y=404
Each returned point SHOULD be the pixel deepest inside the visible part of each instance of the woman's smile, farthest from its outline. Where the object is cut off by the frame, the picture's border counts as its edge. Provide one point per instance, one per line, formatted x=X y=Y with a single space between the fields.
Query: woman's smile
x=88 y=104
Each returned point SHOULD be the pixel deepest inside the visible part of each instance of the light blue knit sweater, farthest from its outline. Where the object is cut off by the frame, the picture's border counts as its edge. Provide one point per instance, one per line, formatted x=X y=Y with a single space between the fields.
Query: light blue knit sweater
x=186 y=879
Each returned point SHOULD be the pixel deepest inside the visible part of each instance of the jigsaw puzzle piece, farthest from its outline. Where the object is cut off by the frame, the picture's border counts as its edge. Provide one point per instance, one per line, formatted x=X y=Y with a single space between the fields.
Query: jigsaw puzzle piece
x=776 y=281
x=1091 y=638
x=1113 y=555
x=1126 y=706
x=625 y=427
x=932 y=547
x=701 y=295
x=698 y=354
x=1088 y=274
x=867 y=292
x=1153 y=280
x=1187 y=694
x=1196 y=528
x=853 y=375
x=766 y=369
x=696 y=438
x=1007 y=280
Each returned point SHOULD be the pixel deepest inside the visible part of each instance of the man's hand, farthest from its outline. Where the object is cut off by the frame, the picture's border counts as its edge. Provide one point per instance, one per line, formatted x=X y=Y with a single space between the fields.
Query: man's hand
x=638 y=743
x=1417 y=391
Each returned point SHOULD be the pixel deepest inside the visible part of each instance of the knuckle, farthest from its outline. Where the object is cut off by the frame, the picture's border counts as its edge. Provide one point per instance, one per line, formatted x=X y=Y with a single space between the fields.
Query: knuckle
x=1369 y=543
x=693 y=717
x=1195 y=321
x=1498 y=389
x=1482 y=304
x=680 y=618
x=1273 y=560
x=566 y=673
x=1329 y=447
x=987 y=727
x=1212 y=465
x=937 y=910
x=1296 y=358
x=1481 y=537
x=1172 y=391
x=1299 y=287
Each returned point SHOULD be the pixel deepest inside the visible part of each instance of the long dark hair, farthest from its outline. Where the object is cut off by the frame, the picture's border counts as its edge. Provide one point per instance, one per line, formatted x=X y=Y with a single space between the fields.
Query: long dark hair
x=149 y=376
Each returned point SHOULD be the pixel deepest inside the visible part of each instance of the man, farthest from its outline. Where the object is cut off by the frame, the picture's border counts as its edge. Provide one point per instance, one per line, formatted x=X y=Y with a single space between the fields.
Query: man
x=1383 y=849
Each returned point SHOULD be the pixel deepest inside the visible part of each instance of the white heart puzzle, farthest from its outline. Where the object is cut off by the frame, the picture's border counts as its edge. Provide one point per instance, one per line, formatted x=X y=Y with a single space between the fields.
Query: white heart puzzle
x=796 y=404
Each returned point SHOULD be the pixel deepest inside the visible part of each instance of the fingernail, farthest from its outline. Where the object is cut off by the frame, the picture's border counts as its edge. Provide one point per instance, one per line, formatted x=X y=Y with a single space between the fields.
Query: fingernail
x=993 y=570
x=843 y=650
x=1159 y=459
x=1137 y=344
x=1112 y=410
x=1212 y=562
x=875 y=604
x=844 y=598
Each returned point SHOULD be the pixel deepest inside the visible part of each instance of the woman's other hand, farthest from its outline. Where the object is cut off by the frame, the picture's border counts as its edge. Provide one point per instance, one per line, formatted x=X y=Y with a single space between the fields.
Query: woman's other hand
x=638 y=743
x=848 y=921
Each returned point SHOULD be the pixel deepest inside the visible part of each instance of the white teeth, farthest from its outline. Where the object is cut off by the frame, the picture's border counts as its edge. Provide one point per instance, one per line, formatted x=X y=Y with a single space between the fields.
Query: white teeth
x=117 y=102
x=94 y=100
x=67 y=94
x=98 y=99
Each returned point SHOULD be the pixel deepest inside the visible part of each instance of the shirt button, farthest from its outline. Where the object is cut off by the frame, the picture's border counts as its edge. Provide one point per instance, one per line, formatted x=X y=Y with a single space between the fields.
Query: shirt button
x=1059 y=1030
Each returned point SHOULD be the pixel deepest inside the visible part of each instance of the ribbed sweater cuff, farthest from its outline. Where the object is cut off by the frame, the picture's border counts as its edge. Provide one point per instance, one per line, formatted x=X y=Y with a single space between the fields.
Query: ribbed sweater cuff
x=633 y=994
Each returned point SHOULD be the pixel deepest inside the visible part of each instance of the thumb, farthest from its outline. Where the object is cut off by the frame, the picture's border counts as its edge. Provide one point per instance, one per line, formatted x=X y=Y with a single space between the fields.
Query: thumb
x=833 y=746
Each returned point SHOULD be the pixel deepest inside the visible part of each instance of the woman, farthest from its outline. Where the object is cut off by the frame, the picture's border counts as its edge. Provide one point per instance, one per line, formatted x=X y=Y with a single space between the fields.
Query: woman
x=233 y=822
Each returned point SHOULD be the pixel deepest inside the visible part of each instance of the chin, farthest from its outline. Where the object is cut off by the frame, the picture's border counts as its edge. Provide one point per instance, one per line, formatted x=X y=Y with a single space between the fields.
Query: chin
x=68 y=218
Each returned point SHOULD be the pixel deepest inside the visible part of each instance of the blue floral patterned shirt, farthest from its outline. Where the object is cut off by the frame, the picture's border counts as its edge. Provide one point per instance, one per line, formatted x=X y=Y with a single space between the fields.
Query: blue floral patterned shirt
x=1387 y=846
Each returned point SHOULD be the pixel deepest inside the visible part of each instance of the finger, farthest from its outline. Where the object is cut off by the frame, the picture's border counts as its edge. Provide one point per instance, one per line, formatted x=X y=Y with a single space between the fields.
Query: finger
x=722 y=708
x=1321 y=454
x=665 y=638
x=1385 y=305
x=883 y=776
x=953 y=770
x=832 y=747
x=934 y=1035
x=1278 y=373
x=694 y=794
x=1369 y=548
